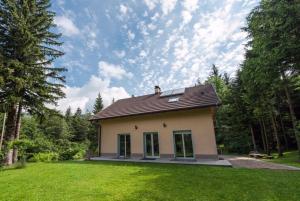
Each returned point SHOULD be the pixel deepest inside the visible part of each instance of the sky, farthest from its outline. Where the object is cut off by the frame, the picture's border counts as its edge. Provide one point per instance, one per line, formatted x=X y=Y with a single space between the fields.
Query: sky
x=123 y=48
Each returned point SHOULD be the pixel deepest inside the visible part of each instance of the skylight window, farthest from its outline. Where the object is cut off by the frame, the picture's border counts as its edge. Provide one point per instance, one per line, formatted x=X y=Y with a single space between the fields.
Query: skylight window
x=175 y=99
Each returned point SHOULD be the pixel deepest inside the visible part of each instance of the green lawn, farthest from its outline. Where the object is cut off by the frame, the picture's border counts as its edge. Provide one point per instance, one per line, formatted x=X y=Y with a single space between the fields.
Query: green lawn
x=90 y=181
x=289 y=158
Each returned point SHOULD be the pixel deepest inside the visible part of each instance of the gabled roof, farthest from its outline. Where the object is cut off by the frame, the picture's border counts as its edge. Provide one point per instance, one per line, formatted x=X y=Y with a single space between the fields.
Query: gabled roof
x=193 y=97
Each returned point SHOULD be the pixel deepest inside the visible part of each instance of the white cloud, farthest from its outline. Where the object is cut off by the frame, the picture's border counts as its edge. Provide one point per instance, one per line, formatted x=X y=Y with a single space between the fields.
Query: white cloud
x=168 y=6
x=169 y=22
x=190 y=5
x=143 y=53
x=120 y=54
x=66 y=25
x=113 y=71
x=155 y=17
x=84 y=97
x=187 y=17
x=131 y=35
x=150 y=3
x=151 y=26
x=123 y=9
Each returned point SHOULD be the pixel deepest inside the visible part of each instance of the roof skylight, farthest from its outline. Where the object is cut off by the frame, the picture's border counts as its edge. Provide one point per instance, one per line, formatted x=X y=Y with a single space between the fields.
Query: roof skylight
x=175 y=99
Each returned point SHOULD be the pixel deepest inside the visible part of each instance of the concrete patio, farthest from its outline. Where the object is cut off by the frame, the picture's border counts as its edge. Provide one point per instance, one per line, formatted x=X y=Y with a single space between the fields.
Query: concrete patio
x=224 y=163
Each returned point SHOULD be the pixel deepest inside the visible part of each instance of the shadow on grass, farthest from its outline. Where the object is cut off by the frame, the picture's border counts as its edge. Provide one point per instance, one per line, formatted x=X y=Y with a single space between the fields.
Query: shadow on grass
x=16 y=166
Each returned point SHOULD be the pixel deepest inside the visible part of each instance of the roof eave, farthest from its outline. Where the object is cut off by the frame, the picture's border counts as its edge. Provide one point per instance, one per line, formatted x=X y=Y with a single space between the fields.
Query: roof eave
x=162 y=111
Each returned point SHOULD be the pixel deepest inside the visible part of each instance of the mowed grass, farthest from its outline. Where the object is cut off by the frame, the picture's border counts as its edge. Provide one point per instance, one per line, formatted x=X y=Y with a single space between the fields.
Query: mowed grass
x=91 y=181
x=289 y=158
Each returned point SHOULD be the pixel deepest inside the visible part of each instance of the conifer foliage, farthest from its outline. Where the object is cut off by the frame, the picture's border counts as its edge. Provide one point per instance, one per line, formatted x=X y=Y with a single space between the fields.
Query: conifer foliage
x=28 y=48
x=98 y=106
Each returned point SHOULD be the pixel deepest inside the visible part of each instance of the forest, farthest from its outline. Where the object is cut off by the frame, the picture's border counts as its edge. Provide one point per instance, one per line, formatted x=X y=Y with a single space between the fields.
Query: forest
x=260 y=103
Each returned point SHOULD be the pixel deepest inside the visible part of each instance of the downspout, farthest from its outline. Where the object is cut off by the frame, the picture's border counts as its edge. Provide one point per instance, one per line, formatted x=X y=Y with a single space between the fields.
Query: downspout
x=99 y=139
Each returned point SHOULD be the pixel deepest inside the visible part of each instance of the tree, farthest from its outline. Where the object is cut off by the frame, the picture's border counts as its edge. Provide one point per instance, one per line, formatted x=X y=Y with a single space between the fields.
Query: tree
x=68 y=114
x=78 y=112
x=98 y=106
x=273 y=28
x=27 y=48
x=55 y=127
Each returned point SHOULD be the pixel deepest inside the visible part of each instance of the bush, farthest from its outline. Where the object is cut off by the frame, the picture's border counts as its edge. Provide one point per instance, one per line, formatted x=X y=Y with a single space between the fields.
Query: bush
x=71 y=150
x=44 y=157
x=2 y=156
x=79 y=155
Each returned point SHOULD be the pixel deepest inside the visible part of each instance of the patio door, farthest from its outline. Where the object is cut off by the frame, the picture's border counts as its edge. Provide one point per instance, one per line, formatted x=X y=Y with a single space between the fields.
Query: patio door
x=151 y=145
x=124 y=145
x=183 y=144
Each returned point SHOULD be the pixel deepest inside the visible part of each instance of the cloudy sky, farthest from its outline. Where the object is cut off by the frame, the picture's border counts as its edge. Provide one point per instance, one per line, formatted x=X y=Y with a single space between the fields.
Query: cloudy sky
x=120 y=48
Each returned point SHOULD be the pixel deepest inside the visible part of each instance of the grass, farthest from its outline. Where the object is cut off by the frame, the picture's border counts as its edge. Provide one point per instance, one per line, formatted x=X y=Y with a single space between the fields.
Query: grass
x=93 y=181
x=289 y=158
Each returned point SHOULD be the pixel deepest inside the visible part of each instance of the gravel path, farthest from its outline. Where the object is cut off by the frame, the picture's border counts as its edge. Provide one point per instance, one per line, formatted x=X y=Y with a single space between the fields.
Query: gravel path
x=252 y=163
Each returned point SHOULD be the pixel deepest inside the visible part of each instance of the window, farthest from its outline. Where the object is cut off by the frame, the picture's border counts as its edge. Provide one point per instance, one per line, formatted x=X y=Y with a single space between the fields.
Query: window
x=151 y=145
x=124 y=145
x=174 y=99
x=183 y=145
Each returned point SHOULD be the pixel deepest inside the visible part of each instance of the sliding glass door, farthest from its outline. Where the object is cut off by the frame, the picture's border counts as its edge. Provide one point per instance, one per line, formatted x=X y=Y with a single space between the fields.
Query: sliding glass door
x=124 y=145
x=183 y=144
x=151 y=145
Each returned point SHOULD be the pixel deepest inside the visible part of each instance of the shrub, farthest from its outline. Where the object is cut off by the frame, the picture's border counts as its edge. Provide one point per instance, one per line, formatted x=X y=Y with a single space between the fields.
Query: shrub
x=1 y=158
x=22 y=145
x=44 y=157
x=71 y=150
x=79 y=155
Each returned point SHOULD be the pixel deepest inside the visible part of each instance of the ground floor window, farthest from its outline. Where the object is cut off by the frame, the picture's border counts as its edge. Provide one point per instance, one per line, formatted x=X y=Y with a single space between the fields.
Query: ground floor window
x=183 y=145
x=151 y=145
x=124 y=147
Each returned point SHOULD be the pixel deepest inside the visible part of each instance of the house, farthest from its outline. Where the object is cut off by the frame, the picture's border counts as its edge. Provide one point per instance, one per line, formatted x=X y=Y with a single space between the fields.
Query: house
x=171 y=124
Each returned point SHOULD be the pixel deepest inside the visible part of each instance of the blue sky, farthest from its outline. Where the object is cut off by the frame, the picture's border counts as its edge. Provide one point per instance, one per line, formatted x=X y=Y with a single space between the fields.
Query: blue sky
x=120 y=48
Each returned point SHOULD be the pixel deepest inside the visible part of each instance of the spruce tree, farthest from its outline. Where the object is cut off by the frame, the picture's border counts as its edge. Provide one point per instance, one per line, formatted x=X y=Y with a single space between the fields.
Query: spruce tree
x=78 y=112
x=98 y=106
x=68 y=114
x=27 y=46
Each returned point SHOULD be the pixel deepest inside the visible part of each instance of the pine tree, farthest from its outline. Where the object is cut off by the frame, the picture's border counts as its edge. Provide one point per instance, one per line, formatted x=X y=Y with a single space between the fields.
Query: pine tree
x=78 y=112
x=27 y=47
x=98 y=106
x=68 y=113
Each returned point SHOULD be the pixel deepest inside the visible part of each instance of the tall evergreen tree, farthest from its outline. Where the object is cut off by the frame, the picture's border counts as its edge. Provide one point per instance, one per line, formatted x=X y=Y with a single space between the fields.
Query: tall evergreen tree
x=27 y=45
x=98 y=106
x=78 y=112
x=68 y=113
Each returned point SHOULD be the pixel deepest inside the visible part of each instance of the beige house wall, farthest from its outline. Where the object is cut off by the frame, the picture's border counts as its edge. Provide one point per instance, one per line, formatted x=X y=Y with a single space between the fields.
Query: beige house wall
x=198 y=121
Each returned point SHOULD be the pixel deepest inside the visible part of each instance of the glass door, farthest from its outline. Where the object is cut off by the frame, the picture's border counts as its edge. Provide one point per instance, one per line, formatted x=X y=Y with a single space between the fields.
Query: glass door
x=151 y=145
x=124 y=145
x=183 y=144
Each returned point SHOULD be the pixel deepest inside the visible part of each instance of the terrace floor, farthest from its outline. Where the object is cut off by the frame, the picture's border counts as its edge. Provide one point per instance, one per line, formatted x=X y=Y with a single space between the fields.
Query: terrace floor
x=168 y=161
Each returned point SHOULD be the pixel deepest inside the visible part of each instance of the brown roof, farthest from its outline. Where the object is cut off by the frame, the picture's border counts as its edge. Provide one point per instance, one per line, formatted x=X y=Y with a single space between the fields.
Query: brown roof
x=193 y=97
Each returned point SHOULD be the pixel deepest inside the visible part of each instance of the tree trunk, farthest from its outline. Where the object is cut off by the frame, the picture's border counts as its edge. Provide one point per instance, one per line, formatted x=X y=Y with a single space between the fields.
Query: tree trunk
x=10 y=131
x=266 y=137
x=276 y=135
x=263 y=136
x=17 y=132
x=292 y=111
x=283 y=132
x=2 y=131
x=253 y=137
